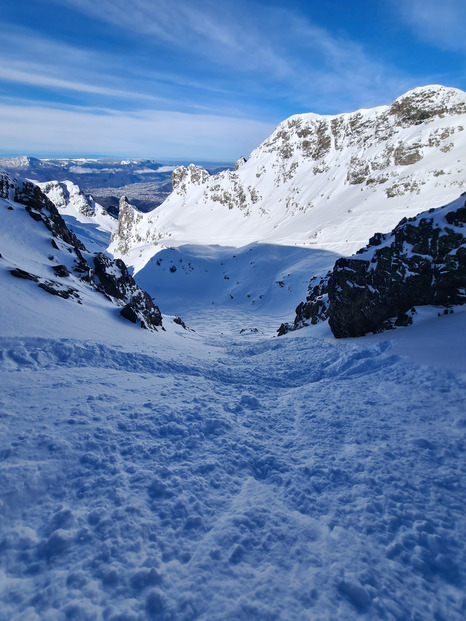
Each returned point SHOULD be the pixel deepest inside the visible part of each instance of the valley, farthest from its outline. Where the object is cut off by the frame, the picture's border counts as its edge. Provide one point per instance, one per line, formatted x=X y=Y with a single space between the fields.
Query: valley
x=204 y=467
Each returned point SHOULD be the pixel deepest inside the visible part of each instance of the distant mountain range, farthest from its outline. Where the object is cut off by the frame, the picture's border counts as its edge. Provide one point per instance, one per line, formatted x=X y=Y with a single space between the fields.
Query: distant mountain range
x=146 y=182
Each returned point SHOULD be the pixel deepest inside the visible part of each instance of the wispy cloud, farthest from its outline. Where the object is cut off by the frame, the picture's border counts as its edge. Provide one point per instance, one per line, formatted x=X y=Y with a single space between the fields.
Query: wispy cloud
x=59 y=66
x=265 y=49
x=442 y=24
x=219 y=32
x=37 y=78
x=38 y=129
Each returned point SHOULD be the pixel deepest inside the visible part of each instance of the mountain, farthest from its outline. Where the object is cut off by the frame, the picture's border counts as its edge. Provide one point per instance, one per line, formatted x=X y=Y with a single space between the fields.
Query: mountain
x=69 y=199
x=421 y=262
x=106 y=171
x=39 y=248
x=325 y=182
x=92 y=222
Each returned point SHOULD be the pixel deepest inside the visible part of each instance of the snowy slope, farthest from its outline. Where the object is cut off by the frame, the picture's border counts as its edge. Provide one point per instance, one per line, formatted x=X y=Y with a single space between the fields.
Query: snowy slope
x=78 y=208
x=258 y=279
x=221 y=474
x=325 y=182
x=41 y=252
x=188 y=476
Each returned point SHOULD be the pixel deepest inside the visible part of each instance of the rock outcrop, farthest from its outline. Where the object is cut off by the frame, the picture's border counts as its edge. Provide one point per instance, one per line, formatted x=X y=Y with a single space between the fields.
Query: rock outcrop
x=112 y=278
x=38 y=206
x=421 y=262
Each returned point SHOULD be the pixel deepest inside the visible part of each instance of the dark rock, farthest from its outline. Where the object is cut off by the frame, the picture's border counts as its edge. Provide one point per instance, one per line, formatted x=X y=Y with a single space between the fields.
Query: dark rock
x=19 y=273
x=54 y=290
x=35 y=215
x=112 y=275
x=180 y=322
x=457 y=218
x=403 y=320
x=422 y=261
x=313 y=310
x=61 y=270
x=284 y=329
x=376 y=240
x=112 y=278
x=129 y=313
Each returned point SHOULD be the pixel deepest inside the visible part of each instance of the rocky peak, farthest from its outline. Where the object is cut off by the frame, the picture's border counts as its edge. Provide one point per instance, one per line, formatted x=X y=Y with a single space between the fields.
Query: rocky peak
x=128 y=217
x=424 y=103
x=184 y=176
x=64 y=193
x=239 y=162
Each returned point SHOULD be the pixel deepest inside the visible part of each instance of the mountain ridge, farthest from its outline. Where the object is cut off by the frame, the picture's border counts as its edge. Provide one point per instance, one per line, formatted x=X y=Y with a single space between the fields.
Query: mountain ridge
x=318 y=181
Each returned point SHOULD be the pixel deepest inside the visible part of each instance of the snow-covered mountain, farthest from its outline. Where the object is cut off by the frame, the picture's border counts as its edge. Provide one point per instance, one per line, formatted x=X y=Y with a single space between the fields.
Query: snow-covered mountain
x=326 y=182
x=39 y=249
x=78 y=209
x=222 y=473
x=70 y=200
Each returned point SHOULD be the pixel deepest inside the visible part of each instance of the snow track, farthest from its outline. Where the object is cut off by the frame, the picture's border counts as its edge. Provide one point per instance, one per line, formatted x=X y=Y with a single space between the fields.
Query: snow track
x=237 y=477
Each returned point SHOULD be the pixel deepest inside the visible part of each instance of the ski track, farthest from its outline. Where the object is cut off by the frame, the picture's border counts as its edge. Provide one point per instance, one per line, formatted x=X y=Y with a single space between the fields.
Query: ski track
x=290 y=478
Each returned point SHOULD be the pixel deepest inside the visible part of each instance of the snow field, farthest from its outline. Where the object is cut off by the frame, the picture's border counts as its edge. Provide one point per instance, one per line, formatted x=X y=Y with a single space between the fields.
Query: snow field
x=229 y=477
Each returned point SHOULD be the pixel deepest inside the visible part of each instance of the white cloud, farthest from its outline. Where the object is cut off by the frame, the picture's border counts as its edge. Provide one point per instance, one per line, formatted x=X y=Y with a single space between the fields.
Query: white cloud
x=442 y=24
x=37 y=78
x=37 y=129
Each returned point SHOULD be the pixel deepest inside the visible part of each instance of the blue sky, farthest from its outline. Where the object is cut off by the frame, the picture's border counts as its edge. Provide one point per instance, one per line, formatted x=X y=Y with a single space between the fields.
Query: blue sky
x=208 y=80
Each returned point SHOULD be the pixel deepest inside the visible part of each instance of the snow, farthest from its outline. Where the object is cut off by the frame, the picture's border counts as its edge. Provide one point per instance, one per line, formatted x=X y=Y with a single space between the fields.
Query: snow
x=78 y=208
x=220 y=474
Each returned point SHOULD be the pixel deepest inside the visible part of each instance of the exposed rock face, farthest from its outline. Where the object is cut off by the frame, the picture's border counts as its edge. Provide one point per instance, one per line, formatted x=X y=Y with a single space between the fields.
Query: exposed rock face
x=67 y=192
x=184 y=176
x=113 y=279
x=239 y=162
x=128 y=218
x=422 y=261
x=314 y=309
